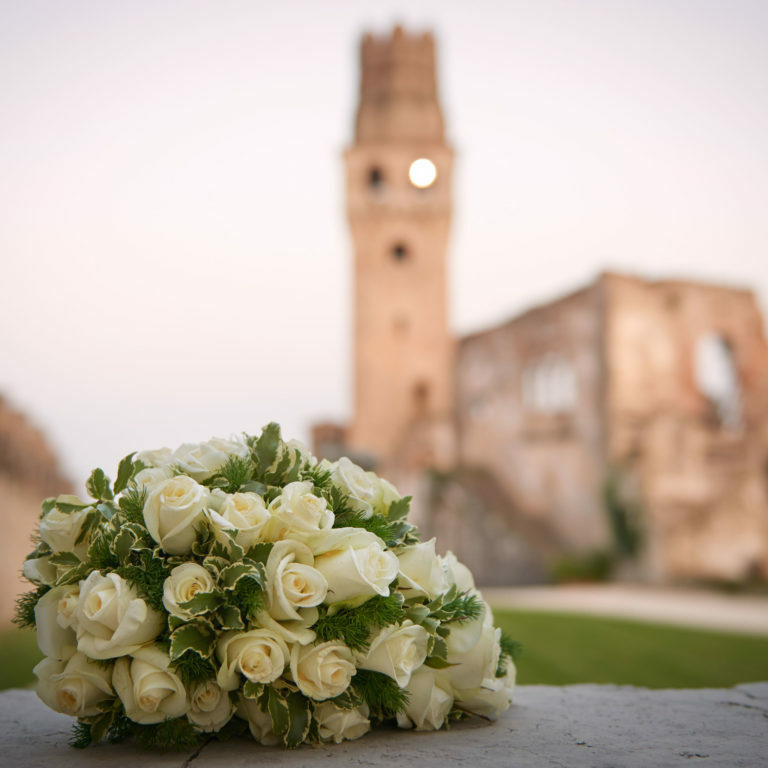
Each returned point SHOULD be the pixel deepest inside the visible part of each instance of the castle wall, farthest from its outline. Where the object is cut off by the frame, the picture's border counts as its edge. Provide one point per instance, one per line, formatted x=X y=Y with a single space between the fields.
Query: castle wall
x=529 y=396
x=702 y=474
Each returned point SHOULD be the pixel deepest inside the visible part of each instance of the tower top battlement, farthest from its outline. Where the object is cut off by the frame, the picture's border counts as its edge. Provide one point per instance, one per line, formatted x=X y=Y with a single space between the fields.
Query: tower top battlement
x=398 y=89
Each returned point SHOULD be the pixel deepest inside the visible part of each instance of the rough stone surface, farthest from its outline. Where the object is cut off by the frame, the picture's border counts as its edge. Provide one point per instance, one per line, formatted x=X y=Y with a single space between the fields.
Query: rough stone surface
x=581 y=725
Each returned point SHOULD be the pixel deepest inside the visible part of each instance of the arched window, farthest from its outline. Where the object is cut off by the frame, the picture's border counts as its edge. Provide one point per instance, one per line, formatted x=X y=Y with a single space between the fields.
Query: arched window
x=718 y=379
x=549 y=385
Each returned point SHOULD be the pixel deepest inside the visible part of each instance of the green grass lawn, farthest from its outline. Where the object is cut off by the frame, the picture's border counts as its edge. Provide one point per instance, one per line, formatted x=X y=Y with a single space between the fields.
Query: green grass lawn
x=562 y=649
x=568 y=648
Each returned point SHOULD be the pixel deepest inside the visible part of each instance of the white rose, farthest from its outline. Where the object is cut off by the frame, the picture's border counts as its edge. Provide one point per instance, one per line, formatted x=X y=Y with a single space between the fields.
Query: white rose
x=336 y=724
x=465 y=635
x=428 y=702
x=355 y=573
x=322 y=671
x=150 y=477
x=367 y=491
x=159 y=457
x=396 y=651
x=112 y=620
x=259 y=722
x=292 y=581
x=74 y=687
x=260 y=655
x=491 y=698
x=203 y=460
x=150 y=691
x=55 y=620
x=458 y=573
x=39 y=570
x=301 y=452
x=471 y=667
x=421 y=572
x=210 y=708
x=298 y=511
x=174 y=511
x=291 y=631
x=185 y=581
x=59 y=530
x=244 y=513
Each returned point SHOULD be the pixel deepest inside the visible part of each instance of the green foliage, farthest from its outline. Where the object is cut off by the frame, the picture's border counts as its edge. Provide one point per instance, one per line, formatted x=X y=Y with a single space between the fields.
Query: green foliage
x=100 y=554
x=511 y=650
x=193 y=669
x=456 y=606
x=132 y=504
x=398 y=509
x=319 y=477
x=264 y=450
x=380 y=692
x=126 y=471
x=394 y=533
x=593 y=566
x=175 y=734
x=195 y=636
x=236 y=473
x=98 y=486
x=624 y=515
x=248 y=598
x=354 y=626
x=25 y=606
x=148 y=574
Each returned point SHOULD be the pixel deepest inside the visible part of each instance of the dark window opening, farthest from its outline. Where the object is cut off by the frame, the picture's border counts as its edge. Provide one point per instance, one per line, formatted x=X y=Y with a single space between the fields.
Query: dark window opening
x=421 y=395
x=399 y=252
x=375 y=178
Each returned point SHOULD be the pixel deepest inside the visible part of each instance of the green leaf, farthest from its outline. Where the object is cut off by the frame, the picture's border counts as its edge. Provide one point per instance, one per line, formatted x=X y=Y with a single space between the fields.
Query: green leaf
x=69 y=503
x=299 y=719
x=73 y=575
x=125 y=472
x=252 y=690
x=47 y=505
x=196 y=636
x=65 y=559
x=108 y=509
x=278 y=711
x=438 y=663
x=202 y=602
x=229 y=617
x=267 y=446
x=417 y=613
x=254 y=486
x=233 y=573
x=98 y=485
x=439 y=647
x=398 y=510
x=259 y=552
x=100 y=727
x=92 y=519
x=123 y=543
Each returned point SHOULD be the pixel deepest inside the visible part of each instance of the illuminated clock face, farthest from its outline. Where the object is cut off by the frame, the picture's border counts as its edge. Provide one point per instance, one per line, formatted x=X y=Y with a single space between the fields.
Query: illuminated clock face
x=422 y=173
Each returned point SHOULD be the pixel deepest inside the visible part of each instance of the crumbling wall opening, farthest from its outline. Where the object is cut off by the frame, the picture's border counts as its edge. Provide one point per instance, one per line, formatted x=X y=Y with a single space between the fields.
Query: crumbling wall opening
x=717 y=378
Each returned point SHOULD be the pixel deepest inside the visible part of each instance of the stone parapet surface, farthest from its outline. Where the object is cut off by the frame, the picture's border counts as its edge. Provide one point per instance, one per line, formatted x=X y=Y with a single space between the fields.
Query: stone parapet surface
x=580 y=725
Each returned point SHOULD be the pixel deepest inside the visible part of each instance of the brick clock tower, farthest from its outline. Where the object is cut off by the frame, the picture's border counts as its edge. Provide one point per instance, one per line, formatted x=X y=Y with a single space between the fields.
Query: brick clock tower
x=399 y=210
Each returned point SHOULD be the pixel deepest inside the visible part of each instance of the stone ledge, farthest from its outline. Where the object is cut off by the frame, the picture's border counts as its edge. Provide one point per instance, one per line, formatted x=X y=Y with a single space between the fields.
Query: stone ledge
x=579 y=725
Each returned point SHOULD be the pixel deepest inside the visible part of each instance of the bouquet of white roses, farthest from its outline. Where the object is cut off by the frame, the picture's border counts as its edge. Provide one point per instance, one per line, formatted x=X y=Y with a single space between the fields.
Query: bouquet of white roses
x=241 y=584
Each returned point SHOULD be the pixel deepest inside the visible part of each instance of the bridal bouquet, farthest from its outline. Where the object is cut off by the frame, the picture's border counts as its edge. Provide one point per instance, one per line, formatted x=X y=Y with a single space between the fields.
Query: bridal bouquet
x=241 y=584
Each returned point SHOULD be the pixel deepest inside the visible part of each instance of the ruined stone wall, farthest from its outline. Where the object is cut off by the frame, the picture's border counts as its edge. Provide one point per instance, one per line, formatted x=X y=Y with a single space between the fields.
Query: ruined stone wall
x=529 y=411
x=702 y=474
x=28 y=474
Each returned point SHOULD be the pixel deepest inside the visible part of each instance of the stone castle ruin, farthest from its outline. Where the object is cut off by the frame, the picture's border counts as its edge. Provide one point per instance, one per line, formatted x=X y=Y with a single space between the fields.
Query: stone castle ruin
x=29 y=473
x=629 y=417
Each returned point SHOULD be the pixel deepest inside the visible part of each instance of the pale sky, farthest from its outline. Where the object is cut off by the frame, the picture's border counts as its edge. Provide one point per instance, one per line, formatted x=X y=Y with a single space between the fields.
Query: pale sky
x=173 y=249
